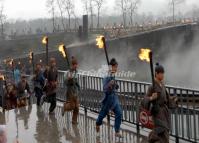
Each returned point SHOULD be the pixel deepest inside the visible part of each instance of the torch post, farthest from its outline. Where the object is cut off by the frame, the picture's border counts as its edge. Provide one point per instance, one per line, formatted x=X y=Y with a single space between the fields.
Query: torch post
x=13 y=69
x=107 y=58
x=66 y=56
x=151 y=66
x=101 y=43
x=32 y=61
x=45 y=42
x=105 y=50
x=3 y=86
x=46 y=51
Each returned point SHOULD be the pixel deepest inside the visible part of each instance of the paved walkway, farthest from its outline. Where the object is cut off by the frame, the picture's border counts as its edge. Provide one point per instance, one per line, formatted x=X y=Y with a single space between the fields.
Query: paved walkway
x=33 y=125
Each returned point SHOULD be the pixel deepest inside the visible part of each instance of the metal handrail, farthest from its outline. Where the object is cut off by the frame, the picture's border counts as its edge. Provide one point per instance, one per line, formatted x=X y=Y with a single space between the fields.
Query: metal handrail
x=184 y=120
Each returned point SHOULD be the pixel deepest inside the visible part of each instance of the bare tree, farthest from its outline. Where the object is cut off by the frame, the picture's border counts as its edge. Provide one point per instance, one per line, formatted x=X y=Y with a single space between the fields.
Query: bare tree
x=2 y=19
x=61 y=10
x=86 y=6
x=89 y=8
x=51 y=8
x=174 y=4
x=195 y=11
x=99 y=4
x=124 y=6
x=76 y=20
x=69 y=7
x=132 y=8
x=91 y=13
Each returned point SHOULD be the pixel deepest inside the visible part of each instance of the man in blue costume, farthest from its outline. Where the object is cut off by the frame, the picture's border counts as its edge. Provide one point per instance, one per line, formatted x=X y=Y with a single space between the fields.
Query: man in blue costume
x=110 y=101
x=39 y=82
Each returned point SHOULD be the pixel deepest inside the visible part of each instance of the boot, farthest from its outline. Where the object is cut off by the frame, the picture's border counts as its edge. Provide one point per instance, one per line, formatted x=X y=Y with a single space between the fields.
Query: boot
x=75 y=115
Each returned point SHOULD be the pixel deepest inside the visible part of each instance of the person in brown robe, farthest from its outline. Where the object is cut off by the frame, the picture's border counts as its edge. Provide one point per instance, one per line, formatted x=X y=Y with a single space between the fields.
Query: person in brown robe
x=23 y=90
x=51 y=75
x=161 y=101
x=11 y=96
x=73 y=88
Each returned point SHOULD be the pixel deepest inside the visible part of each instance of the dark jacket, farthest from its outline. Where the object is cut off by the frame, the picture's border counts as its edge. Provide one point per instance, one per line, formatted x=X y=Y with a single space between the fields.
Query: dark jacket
x=72 y=84
x=51 y=75
x=160 y=107
x=39 y=80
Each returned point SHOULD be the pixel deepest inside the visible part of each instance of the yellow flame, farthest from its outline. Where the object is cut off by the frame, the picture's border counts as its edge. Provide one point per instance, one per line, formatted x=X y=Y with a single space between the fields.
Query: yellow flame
x=100 y=42
x=62 y=50
x=19 y=62
x=144 y=55
x=40 y=61
x=2 y=77
x=45 y=40
x=30 y=55
x=11 y=62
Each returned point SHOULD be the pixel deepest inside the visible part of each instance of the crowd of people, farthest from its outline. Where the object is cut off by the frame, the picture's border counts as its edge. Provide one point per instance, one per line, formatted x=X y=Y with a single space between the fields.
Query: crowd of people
x=46 y=84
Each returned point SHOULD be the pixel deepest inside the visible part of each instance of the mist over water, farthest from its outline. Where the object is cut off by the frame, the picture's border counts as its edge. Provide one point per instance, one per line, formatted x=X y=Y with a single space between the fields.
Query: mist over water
x=182 y=66
x=178 y=56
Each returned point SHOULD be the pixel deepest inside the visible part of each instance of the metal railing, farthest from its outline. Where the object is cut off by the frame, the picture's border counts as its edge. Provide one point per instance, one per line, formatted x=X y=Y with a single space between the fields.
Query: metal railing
x=184 y=119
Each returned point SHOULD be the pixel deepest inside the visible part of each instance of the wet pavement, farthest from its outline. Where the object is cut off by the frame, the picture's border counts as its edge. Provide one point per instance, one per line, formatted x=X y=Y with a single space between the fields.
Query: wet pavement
x=34 y=125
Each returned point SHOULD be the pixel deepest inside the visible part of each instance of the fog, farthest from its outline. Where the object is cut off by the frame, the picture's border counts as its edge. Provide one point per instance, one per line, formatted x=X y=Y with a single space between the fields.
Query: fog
x=182 y=65
x=178 y=56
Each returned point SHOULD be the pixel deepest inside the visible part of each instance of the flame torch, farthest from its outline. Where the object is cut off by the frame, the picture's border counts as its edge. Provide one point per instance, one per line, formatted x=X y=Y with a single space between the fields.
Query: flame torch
x=2 y=78
x=63 y=51
x=3 y=82
x=101 y=43
x=147 y=55
x=45 y=42
x=31 y=57
x=11 y=63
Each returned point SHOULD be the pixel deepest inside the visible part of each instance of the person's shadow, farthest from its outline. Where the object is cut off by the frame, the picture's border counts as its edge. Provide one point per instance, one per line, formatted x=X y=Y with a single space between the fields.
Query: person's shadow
x=2 y=118
x=24 y=114
x=72 y=138
x=46 y=128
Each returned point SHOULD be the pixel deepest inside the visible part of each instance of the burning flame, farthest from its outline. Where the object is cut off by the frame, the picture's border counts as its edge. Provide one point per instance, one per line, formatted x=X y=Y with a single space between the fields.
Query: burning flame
x=62 y=50
x=144 y=54
x=100 y=42
x=40 y=61
x=31 y=55
x=45 y=40
x=2 y=77
x=11 y=62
